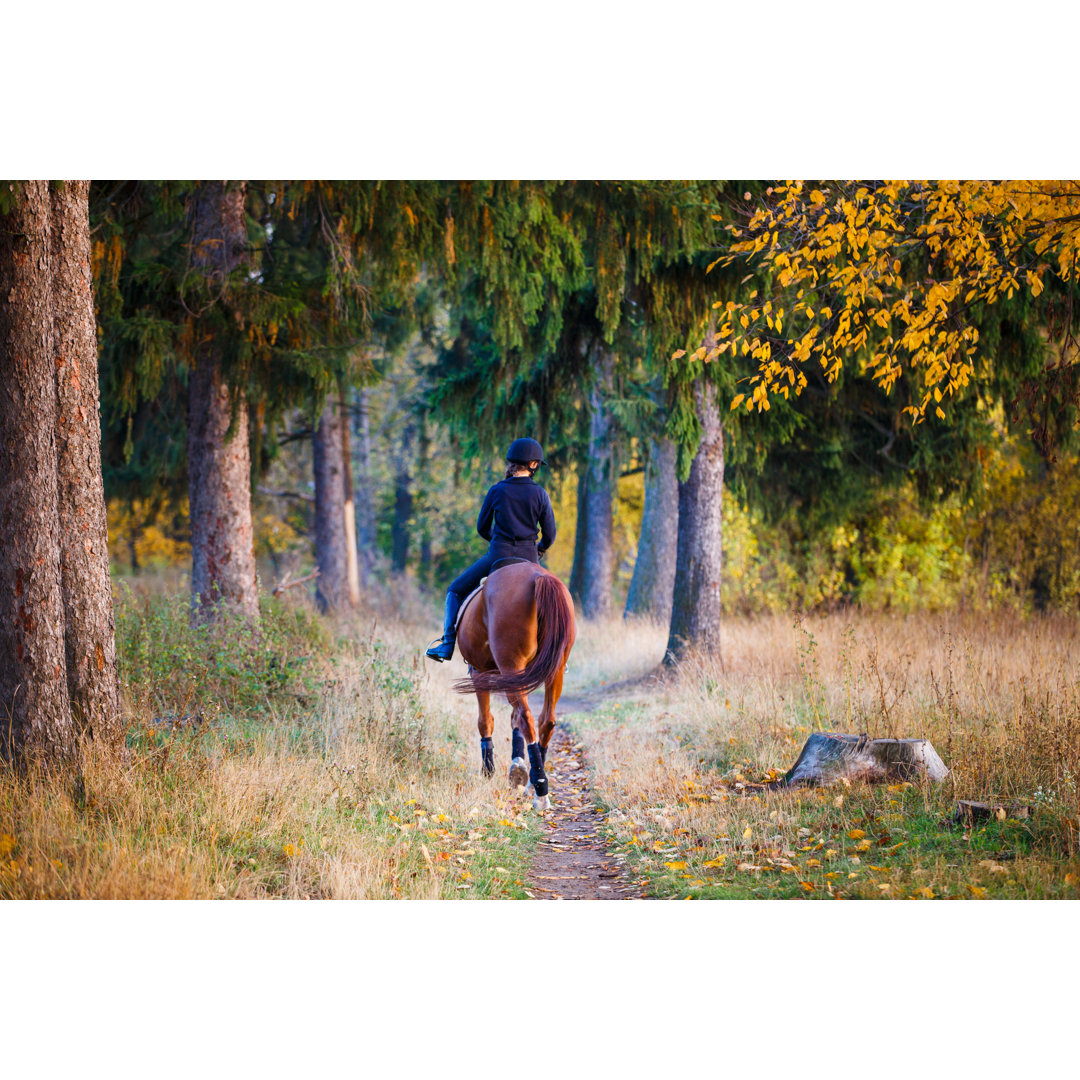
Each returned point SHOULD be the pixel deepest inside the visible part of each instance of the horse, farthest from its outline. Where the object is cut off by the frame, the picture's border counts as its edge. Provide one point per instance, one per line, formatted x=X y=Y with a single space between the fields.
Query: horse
x=516 y=636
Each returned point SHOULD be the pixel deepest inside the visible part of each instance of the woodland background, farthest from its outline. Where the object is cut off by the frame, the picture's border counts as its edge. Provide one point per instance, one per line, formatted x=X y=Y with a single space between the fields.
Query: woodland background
x=814 y=464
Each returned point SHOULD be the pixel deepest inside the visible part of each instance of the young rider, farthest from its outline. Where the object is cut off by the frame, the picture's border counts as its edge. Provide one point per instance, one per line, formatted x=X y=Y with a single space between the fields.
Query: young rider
x=513 y=510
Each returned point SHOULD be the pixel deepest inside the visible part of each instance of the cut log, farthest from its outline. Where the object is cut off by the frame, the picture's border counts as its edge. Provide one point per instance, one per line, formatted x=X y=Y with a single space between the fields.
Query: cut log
x=828 y=757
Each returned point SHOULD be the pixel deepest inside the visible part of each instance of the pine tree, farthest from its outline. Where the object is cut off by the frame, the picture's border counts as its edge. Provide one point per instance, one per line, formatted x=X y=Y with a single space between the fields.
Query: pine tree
x=58 y=679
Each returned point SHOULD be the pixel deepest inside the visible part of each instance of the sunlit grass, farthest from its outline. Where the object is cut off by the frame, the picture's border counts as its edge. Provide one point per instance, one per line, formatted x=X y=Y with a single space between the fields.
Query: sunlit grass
x=309 y=760
x=999 y=698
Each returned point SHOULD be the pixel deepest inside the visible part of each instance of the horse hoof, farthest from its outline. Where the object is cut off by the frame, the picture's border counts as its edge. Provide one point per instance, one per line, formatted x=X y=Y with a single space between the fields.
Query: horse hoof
x=519 y=773
x=542 y=802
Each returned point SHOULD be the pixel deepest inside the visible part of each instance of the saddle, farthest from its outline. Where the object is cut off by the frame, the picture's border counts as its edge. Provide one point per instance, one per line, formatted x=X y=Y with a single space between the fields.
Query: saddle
x=467 y=601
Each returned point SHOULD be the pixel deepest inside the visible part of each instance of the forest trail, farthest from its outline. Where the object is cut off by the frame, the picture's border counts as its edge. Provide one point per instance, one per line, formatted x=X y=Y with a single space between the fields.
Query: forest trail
x=573 y=862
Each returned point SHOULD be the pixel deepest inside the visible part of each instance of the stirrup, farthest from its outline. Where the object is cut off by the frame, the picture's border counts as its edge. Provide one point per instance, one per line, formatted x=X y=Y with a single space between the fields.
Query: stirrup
x=440 y=649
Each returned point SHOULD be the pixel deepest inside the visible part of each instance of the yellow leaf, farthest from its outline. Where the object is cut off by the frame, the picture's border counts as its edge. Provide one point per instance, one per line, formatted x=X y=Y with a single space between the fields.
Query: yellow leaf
x=977 y=891
x=747 y=833
x=863 y=845
x=675 y=865
x=718 y=861
x=737 y=401
x=856 y=834
x=807 y=886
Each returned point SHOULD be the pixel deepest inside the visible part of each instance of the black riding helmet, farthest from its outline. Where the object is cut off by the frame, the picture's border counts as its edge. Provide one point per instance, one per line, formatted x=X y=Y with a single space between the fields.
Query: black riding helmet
x=522 y=451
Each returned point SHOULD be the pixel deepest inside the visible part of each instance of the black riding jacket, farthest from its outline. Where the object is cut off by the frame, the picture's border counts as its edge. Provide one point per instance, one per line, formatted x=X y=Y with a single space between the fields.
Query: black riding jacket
x=512 y=511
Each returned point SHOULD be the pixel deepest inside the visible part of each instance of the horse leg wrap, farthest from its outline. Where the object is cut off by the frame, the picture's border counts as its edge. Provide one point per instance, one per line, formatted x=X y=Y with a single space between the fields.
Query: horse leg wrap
x=487 y=757
x=517 y=744
x=536 y=770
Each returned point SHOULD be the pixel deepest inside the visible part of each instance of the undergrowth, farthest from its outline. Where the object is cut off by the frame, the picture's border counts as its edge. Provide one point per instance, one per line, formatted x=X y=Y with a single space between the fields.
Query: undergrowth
x=301 y=758
x=676 y=758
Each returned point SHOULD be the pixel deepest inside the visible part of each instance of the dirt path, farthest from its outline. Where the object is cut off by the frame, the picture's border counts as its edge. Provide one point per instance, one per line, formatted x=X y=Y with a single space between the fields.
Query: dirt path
x=572 y=862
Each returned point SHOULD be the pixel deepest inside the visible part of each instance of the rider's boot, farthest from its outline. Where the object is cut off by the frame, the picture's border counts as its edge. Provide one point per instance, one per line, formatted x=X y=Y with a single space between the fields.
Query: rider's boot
x=444 y=648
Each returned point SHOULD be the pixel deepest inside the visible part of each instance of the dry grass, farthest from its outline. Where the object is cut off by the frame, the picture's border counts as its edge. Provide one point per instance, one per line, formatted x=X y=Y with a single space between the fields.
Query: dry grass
x=999 y=697
x=322 y=759
x=355 y=774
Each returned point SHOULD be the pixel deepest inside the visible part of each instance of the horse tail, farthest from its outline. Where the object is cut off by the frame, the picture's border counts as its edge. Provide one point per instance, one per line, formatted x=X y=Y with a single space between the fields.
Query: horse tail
x=554 y=623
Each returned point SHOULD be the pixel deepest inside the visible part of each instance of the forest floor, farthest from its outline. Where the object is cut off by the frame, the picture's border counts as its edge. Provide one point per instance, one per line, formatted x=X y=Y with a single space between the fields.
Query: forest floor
x=326 y=758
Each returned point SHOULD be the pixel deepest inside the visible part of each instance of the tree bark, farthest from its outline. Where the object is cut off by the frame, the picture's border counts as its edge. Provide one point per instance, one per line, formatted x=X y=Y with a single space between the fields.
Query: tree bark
x=653 y=583
x=695 y=611
x=365 y=500
x=581 y=535
x=828 y=756
x=599 y=562
x=352 y=560
x=403 y=502
x=90 y=629
x=219 y=469
x=331 y=544
x=35 y=711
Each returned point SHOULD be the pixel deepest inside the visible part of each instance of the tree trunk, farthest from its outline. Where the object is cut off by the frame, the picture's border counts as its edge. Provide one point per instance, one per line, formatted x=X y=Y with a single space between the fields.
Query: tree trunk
x=331 y=549
x=653 y=583
x=827 y=757
x=219 y=469
x=403 y=503
x=599 y=563
x=352 y=560
x=35 y=711
x=90 y=629
x=581 y=535
x=365 y=499
x=695 y=612
x=423 y=465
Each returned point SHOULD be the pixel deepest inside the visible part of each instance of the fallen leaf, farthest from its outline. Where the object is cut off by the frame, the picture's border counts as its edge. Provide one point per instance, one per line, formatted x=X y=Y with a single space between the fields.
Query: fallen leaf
x=807 y=886
x=675 y=865
x=856 y=834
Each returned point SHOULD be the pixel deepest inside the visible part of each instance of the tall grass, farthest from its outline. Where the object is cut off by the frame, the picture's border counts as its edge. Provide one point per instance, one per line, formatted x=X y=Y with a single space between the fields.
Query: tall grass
x=999 y=697
x=309 y=758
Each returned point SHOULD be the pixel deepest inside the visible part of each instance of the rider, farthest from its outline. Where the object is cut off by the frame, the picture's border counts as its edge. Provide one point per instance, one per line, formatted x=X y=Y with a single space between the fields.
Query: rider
x=513 y=510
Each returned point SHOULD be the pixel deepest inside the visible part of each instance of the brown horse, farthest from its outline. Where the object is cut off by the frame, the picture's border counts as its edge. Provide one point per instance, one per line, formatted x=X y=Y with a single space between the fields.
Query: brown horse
x=515 y=636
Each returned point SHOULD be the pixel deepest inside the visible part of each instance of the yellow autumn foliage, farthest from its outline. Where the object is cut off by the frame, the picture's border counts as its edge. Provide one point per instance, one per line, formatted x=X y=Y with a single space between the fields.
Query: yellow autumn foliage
x=864 y=246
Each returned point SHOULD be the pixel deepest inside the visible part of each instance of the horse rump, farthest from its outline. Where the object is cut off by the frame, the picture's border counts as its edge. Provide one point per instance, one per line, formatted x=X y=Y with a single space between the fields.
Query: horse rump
x=554 y=620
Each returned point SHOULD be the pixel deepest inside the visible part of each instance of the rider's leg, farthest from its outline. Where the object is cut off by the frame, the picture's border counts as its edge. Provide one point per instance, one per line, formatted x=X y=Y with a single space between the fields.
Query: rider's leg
x=460 y=587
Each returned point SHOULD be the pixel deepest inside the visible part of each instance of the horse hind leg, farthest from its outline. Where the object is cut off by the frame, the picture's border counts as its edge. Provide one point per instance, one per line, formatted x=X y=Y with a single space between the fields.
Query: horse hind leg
x=524 y=734
x=519 y=770
x=486 y=726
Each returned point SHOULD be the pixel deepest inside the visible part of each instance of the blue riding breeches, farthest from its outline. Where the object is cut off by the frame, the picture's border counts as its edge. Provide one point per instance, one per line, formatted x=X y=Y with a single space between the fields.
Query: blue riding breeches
x=500 y=552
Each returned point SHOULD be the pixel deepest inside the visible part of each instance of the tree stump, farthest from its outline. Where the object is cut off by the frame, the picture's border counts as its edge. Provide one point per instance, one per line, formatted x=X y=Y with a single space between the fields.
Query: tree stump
x=828 y=757
x=968 y=812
